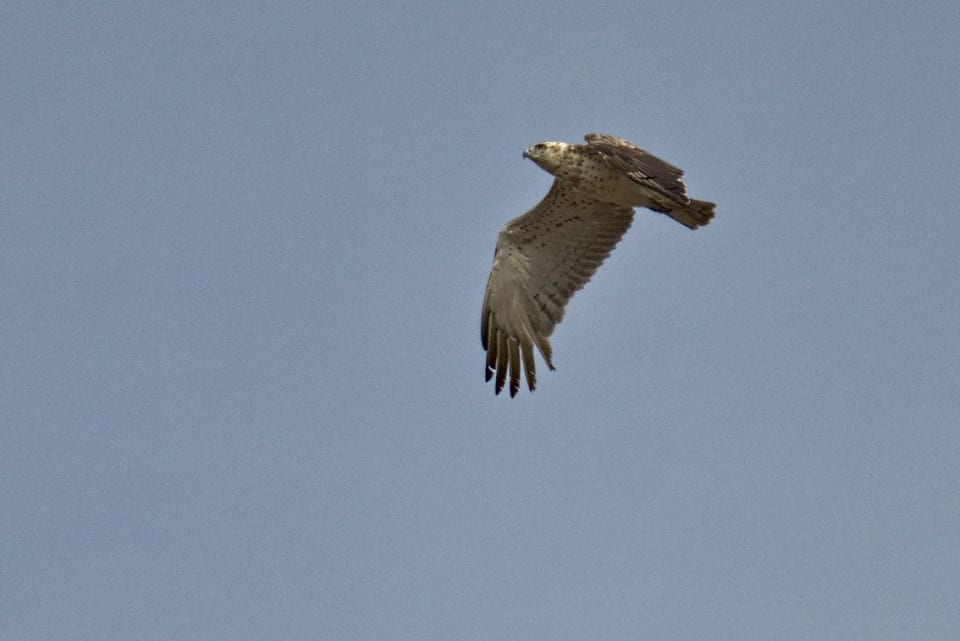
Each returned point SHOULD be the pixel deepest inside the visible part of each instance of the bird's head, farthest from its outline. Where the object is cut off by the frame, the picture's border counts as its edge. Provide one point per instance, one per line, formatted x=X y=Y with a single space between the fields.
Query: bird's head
x=548 y=155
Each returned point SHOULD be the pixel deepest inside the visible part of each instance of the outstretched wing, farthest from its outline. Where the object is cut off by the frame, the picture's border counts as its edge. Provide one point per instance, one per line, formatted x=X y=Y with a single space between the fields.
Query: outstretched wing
x=644 y=168
x=542 y=258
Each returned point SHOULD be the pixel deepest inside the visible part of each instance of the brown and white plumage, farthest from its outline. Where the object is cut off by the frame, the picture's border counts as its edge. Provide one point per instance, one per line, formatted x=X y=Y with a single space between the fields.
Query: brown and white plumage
x=547 y=254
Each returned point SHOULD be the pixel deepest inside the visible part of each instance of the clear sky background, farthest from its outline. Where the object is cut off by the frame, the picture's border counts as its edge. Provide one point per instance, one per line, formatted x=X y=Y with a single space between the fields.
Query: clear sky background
x=243 y=248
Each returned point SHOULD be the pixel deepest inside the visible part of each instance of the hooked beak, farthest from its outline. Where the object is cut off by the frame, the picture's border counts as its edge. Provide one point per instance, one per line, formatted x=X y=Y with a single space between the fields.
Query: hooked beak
x=527 y=156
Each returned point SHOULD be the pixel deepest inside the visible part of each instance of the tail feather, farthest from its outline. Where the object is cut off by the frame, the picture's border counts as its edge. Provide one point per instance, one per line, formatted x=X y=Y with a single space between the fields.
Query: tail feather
x=696 y=213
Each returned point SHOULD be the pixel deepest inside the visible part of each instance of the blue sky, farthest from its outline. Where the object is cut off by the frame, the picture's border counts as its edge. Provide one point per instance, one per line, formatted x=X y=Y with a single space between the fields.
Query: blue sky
x=242 y=254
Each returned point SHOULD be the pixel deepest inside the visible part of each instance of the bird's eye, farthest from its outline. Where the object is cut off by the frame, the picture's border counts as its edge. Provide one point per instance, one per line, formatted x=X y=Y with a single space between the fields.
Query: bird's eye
x=539 y=146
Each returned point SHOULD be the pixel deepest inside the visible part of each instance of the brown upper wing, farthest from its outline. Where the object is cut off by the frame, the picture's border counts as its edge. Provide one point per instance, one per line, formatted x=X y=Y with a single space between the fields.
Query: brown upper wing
x=640 y=166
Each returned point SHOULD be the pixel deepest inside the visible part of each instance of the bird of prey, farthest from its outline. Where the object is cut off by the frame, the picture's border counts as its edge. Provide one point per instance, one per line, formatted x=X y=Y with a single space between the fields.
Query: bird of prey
x=547 y=254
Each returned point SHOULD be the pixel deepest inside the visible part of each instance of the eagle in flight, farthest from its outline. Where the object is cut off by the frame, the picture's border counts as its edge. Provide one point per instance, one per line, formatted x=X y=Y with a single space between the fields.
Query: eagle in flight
x=547 y=254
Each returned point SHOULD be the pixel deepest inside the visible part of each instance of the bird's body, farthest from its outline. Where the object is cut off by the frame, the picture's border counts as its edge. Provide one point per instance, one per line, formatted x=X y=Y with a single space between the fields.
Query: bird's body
x=546 y=255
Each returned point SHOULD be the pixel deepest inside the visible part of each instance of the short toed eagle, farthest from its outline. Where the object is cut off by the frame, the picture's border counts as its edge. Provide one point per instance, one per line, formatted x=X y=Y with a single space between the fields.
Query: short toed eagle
x=550 y=252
